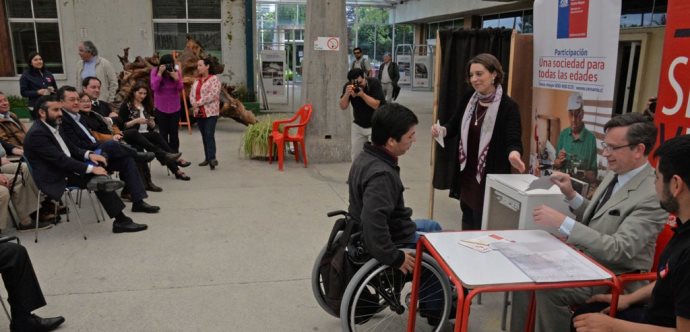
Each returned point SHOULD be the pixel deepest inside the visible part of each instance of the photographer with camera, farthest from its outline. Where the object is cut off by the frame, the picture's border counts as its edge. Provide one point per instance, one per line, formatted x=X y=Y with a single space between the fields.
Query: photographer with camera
x=166 y=84
x=366 y=95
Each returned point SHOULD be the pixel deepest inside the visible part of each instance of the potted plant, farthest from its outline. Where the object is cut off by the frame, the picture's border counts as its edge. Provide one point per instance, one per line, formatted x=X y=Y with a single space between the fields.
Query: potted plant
x=19 y=106
x=255 y=138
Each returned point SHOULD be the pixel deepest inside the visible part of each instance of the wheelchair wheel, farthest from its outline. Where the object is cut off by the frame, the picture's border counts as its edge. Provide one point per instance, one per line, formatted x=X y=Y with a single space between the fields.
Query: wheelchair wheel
x=377 y=299
x=317 y=283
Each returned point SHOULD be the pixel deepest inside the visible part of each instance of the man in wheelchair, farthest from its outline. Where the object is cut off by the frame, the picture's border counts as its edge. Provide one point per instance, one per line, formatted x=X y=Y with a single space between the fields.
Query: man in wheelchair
x=376 y=191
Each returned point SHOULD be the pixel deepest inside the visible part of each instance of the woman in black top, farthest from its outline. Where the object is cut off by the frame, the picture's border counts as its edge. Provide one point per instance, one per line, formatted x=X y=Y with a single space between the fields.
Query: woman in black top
x=138 y=128
x=487 y=127
x=36 y=80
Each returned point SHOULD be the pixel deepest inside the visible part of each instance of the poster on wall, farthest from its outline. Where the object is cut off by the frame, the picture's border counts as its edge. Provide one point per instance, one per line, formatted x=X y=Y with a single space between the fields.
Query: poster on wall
x=422 y=70
x=404 y=62
x=575 y=54
x=672 y=115
x=272 y=72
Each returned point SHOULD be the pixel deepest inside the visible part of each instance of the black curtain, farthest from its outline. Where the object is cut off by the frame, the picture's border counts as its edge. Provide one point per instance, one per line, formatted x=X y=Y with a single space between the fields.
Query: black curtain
x=457 y=48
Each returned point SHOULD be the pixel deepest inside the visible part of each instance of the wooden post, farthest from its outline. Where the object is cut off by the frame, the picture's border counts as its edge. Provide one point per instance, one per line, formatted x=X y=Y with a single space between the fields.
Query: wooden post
x=184 y=96
x=434 y=117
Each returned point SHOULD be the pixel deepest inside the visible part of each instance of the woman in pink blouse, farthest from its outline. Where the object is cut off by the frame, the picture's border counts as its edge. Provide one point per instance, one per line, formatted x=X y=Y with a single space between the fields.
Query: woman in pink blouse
x=205 y=99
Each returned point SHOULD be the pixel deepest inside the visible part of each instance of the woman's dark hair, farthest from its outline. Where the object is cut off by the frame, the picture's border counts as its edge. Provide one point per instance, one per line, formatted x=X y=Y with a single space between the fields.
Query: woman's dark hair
x=211 y=62
x=641 y=129
x=391 y=121
x=147 y=102
x=31 y=56
x=490 y=63
x=166 y=59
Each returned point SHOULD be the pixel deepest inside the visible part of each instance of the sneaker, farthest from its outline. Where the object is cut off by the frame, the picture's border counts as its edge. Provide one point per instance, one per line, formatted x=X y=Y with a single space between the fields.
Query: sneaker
x=31 y=227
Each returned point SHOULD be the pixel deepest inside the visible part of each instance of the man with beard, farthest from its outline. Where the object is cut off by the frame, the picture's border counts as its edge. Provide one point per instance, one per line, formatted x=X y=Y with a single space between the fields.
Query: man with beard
x=577 y=146
x=57 y=162
x=618 y=227
x=668 y=298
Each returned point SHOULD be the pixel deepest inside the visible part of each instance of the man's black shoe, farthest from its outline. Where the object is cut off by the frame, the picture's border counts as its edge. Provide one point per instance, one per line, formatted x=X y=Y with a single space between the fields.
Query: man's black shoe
x=37 y=324
x=152 y=187
x=104 y=183
x=125 y=224
x=144 y=156
x=142 y=206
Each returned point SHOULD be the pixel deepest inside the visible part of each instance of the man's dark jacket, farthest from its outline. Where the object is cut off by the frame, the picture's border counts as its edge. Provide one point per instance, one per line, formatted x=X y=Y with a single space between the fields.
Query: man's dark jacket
x=393 y=72
x=376 y=201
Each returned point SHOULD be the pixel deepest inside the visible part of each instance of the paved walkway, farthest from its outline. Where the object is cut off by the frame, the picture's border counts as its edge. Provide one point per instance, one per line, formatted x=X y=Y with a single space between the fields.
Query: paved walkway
x=231 y=250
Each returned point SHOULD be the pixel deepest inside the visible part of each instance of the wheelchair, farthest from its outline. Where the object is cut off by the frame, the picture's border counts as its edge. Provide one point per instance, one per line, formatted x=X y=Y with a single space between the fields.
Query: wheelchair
x=378 y=296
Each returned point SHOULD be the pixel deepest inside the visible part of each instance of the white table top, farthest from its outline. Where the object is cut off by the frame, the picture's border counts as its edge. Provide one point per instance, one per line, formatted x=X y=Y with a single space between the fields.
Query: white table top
x=474 y=268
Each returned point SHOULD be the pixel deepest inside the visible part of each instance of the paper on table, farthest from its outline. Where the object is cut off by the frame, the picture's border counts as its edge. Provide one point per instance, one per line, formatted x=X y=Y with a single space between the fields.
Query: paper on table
x=543 y=264
x=543 y=182
x=438 y=138
x=484 y=243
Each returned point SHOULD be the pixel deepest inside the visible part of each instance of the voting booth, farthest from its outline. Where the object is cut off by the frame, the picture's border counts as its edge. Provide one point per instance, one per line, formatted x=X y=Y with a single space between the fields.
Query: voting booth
x=509 y=200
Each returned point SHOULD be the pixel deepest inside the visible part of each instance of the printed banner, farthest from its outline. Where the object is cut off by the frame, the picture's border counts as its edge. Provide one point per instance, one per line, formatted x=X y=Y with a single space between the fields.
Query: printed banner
x=422 y=70
x=575 y=54
x=672 y=115
x=272 y=71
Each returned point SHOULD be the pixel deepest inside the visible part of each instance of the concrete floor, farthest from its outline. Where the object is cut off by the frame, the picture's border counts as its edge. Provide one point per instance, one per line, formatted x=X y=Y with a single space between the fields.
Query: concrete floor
x=231 y=250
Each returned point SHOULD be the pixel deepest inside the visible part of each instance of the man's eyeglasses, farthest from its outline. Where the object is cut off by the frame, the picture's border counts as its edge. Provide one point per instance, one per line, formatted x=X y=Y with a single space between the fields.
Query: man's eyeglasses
x=611 y=148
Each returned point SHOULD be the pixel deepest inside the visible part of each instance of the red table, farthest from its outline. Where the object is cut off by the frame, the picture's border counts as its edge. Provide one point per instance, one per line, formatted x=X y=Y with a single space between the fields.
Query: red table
x=493 y=272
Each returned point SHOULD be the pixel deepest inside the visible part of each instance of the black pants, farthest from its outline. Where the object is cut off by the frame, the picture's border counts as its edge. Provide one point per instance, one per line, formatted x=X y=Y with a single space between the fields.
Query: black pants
x=20 y=280
x=150 y=141
x=471 y=219
x=169 y=125
x=636 y=314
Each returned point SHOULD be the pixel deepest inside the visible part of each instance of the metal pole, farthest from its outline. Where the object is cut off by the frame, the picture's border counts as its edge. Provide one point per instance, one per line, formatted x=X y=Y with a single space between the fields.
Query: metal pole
x=294 y=64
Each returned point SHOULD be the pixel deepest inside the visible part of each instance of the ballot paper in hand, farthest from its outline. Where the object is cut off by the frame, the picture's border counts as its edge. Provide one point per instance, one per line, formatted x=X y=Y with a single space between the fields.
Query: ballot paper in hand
x=543 y=182
x=439 y=138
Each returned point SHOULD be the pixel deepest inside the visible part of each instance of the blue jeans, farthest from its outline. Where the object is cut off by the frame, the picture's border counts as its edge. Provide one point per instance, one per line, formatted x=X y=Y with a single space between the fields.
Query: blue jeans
x=425 y=226
x=207 y=126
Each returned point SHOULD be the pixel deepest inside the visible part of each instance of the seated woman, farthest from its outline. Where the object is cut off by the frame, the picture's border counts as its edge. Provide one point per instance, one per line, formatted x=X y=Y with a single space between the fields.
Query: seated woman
x=103 y=130
x=138 y=129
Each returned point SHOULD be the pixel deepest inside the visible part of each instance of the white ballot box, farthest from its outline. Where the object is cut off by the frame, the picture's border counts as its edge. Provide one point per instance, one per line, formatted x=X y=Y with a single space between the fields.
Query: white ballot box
x=509 y=200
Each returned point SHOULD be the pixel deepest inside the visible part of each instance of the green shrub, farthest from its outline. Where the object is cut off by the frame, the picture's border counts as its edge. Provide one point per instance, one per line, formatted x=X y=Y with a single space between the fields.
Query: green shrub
x=255 y=138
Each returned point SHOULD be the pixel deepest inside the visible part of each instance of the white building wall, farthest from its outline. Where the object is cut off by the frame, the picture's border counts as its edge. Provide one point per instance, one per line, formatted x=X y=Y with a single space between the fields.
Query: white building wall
x=116 y=24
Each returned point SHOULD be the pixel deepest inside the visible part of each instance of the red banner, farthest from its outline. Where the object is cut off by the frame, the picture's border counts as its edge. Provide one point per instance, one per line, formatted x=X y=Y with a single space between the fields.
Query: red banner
x=673 y=104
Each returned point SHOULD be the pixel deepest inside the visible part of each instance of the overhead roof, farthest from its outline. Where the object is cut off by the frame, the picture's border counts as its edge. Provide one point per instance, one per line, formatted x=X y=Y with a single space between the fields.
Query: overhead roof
x=364 y=3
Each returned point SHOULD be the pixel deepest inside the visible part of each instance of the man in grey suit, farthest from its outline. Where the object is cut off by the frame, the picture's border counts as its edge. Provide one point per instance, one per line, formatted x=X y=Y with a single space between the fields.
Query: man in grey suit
x=618 y=227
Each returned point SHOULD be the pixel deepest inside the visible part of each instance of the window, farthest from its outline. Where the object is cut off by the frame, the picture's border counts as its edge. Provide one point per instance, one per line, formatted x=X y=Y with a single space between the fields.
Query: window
x=34 y=27
x=520 y=21
x=173 y=20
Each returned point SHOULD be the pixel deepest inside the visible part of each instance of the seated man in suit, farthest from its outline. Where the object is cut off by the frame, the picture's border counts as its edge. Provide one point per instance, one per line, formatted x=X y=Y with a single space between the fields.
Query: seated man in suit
x=19 y=185
x=12 y=130
x=618 y=227
x=92 y=87
x=54 y=158
x=24 y=292
x=73 y=129
x=668 y=298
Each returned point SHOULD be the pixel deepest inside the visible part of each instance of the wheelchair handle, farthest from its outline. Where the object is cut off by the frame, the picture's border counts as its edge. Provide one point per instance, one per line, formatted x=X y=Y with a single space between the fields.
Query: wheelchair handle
x=337 y=213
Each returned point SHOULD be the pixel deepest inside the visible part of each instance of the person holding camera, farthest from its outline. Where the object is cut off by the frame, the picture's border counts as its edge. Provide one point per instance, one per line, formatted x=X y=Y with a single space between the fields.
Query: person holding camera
x=166 y=84
x=366 y=95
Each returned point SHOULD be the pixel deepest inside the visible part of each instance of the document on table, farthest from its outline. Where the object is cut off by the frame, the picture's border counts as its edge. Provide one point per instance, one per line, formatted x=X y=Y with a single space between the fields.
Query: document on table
x=543 y=182
x=548 y=264
x=484 y=243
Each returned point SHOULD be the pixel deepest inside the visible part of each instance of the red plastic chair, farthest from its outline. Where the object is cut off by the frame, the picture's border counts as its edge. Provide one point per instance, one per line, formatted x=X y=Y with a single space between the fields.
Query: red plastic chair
x=661 y=242
x=280 y=138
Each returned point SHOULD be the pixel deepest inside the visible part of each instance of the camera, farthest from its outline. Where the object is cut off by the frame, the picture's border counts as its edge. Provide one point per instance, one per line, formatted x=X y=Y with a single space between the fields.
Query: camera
x=355 y=87
x=169 y=67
